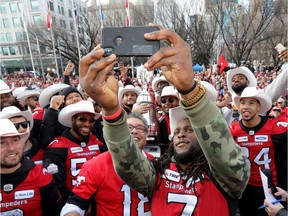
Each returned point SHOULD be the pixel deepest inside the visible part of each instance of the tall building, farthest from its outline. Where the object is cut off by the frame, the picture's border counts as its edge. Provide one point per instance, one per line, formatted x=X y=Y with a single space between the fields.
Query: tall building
x=15 y=15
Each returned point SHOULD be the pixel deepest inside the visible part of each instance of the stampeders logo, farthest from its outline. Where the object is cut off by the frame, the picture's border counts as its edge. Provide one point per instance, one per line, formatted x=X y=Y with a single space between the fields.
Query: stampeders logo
x=79 y=180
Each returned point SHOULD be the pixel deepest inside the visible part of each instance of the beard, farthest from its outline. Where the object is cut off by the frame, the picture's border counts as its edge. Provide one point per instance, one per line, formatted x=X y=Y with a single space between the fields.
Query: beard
x=239 y=89
x=188 y=156
x=8 y=165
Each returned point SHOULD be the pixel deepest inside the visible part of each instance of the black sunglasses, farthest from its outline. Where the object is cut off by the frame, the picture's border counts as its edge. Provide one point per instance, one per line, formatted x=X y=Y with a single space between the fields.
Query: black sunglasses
x=35 y=98
x=170 y=100
x=84 y=119
x=22 y=124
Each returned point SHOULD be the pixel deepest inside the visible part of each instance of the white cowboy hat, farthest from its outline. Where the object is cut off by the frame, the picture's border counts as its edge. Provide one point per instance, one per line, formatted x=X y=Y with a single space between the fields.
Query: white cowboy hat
x=211 y=91
x=7 y=129
x=26 y=94
x=4 y=88
x=66 y=114
x=252 y=92
x=12 y=111
x=127 y=88
x=47 y=93
x=240 y=70
x=170 y=91
x=176 y=114
x=17 y=91
x=155 y=82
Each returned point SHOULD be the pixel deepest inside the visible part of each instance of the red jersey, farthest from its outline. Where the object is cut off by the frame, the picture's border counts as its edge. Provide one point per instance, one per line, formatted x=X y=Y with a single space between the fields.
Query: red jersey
x=177 y=197
x=38 y=157
x=69 y=155
x=259 y=145
x=98 y=179
x=21 y=192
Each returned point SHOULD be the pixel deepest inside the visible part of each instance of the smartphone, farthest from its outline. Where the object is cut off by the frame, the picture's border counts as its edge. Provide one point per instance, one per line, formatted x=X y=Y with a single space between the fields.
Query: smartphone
x=280 y=48
x=129 y=41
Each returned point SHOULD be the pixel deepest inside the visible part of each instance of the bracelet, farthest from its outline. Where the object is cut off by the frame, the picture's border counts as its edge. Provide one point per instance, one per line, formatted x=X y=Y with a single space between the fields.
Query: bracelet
x=189 y=90
x=116 y=116
x=195 y=98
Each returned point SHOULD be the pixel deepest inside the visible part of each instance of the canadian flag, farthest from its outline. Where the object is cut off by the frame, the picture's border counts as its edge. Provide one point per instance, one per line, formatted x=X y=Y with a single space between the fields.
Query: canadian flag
x=127 y=13
x=222 y=64
x=49 y=17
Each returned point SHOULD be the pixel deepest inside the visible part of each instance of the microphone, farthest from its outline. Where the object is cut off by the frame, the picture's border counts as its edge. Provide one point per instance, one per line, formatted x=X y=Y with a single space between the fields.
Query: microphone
x=271 y=184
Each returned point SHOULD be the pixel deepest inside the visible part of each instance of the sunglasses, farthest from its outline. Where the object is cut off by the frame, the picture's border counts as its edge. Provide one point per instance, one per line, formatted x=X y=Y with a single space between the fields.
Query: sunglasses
x=170 y=100
x=22 y=124
x=84 y=119
x=35 y=98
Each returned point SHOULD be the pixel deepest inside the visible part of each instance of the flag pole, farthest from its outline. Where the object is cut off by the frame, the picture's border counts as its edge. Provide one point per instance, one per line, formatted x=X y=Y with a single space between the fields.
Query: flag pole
x=54 y=51
x=42 y=70
x=50 y=28
x=76 y=29
x=28 y=40
x=100 y=12
x=128 y=23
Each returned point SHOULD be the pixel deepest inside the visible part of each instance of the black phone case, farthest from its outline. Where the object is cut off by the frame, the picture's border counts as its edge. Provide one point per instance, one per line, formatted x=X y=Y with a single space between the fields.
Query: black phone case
x=129 y=41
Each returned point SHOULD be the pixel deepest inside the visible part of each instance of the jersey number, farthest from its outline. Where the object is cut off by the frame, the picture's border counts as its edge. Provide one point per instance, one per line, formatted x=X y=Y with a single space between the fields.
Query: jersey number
x=189 y=201
x=262 y=158
x=76 y=164
x=128 y=200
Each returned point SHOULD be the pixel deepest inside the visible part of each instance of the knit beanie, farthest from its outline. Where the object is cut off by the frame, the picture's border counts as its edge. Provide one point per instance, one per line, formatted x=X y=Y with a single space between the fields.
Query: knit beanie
x=66 y=91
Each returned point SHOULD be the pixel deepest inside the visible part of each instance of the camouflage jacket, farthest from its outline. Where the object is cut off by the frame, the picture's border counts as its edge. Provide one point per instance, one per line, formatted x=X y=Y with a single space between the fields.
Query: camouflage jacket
x=227 y=162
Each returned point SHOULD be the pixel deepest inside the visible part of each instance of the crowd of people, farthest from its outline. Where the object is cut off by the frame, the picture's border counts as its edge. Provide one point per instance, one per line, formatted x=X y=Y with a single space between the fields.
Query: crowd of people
x=76 y=145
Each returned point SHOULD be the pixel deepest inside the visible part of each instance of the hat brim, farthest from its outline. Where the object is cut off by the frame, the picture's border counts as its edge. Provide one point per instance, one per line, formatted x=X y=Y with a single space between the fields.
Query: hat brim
x=5 y=91
x=265 y=101
x=46 y=94
x=26 y=94
x=156 y=81
x=244 y=71
x=176 y=115
x=66 y=114
x=122 y=91
x=26 y=114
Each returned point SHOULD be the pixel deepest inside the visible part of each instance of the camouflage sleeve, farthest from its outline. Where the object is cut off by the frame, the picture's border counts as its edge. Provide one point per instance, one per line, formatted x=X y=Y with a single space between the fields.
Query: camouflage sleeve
x=227 y=162
x=129 y=162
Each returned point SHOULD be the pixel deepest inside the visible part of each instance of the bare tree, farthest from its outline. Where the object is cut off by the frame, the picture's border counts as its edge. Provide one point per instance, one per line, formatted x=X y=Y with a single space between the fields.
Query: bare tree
x=242 y=29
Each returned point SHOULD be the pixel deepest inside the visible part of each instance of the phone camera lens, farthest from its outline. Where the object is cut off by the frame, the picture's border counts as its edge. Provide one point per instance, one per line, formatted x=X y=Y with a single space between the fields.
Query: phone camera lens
x=118 y=41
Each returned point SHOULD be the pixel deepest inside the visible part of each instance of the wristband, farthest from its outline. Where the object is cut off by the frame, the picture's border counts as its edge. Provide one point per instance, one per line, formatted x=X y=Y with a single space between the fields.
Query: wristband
x=113 y=118
x=189 y=90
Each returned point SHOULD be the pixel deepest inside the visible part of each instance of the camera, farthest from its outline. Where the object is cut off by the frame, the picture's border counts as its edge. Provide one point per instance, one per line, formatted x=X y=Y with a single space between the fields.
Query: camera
x=129 y=41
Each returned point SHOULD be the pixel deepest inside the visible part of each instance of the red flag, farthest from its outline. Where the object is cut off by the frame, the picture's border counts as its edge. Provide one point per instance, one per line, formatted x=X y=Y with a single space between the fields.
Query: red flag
x=222 y=64
x=127 y=13
x=49 y=17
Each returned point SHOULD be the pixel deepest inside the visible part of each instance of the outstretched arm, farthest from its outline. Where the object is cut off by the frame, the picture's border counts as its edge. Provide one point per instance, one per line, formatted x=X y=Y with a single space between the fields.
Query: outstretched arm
x=128 y=160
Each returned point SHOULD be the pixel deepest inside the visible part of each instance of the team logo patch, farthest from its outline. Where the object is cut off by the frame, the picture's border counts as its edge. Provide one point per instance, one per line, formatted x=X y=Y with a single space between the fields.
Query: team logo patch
x=262 y=138
x=284 y=124
x=172 y=175
x=242 y=139
x=79 y=180
x=8 y=187
x=76 y=149
x=93 y=147
x=24 y=194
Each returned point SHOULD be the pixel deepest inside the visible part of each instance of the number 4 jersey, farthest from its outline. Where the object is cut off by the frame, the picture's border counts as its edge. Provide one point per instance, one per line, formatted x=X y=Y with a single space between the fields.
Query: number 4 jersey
x=265 y=146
